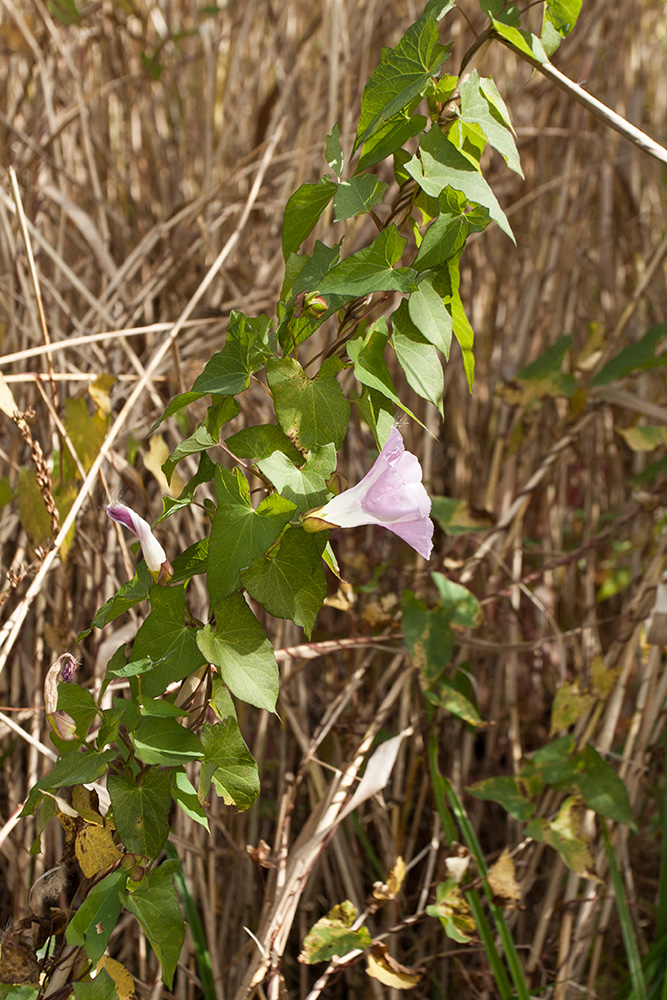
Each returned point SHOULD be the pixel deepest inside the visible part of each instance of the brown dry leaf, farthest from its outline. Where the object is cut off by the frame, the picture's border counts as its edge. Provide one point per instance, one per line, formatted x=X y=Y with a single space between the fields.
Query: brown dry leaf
x=154 y=459
x=381 y=966
x=502 y=879
x=120 y=975
x=95 y=850
x=18 y=962
x=260 y=855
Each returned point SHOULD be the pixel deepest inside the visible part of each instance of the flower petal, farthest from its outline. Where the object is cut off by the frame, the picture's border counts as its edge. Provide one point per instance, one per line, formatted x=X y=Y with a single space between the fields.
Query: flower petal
x=153 y=552
x=391 y=494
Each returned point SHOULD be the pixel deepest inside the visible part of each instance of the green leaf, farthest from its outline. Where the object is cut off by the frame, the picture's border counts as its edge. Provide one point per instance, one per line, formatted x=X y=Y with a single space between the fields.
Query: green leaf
x=177 y=404
x=601 y=788
x=141 y=810
x=461 y=605
x=312 y=412
x=446 y=235
x=228 y=762
x=332 y=151
x=239 y=534
x=128 y=596
x=524 y=41
x=482 y=105
x=79 y=703
x=184 y=795
x=333 y=935
x=161 y=708
x=305 y=486
x=446 y=694
x=261 y=441
x=418 y=358
x=403 y=75
x=389 y=137
x=461 y=327
x=244 y=656
x=303 y=211
x=428 y=637
x=377 y=412
x=425 y=310
x=372 y=269
x=165 y=639
x=315 y=268
x=164 y=741
x=289 y=581
x=367 y=355
x=191 y=561
x=65 y=11
x=549 y=363
x=76 y=768
x=508 y=792
x=562 y=14
x=95 y=918
x=228 y=372
x=204 y=473
x=357 y=196
x=636 y=357
x=102 y=987
x=206 y=435
x=155 y=905
x=440 y=165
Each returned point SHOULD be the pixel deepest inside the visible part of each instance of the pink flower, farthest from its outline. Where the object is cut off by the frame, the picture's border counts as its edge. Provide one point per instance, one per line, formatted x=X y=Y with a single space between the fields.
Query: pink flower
x=391 y=494
x=154 y=554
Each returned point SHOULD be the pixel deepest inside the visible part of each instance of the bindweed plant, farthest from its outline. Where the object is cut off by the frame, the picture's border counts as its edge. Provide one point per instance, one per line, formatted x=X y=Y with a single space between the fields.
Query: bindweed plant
x=163 y=732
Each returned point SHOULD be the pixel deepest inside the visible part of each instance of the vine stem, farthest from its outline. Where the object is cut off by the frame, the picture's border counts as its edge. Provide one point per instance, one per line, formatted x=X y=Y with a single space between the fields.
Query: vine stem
x=592 y=104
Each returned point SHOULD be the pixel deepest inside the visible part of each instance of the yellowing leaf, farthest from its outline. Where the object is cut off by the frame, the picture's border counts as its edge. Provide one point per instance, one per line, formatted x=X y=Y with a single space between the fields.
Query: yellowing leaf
x=85 y=801
x=503 y=881
x=604 y=678
x=157 y=455
x=380 y=965
x=95 y=849
x=453 y=912
x=333 y=935
x=120 y=975
x=565 y=834
x=99 y=391
x=569 y=705
x=391 y=888
x=643 y=438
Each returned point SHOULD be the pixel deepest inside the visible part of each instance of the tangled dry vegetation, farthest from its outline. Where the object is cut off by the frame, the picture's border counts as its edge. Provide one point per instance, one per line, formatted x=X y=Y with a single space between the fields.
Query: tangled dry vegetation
x=138 y=138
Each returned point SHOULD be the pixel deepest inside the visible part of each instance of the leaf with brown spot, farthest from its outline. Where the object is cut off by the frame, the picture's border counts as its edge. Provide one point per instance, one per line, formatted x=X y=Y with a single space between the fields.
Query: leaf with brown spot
x=95 y=849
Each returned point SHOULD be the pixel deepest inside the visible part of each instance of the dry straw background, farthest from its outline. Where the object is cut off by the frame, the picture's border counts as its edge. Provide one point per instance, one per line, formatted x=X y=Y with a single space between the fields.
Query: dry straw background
x=139 y=139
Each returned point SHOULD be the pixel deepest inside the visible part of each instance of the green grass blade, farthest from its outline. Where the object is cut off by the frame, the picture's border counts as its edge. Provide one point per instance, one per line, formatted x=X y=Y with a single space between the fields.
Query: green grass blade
x=511 y=954
x=440 y=787
x=627 y=929
x=195 y=927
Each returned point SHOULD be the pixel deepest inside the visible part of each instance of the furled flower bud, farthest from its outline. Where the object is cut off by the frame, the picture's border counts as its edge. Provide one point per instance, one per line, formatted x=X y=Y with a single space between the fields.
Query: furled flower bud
x=391 y=494
x=61 y=671
x=154 y=554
